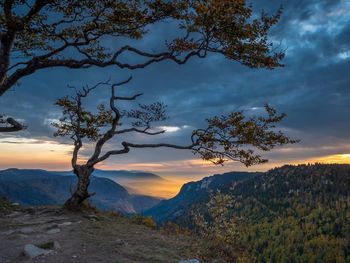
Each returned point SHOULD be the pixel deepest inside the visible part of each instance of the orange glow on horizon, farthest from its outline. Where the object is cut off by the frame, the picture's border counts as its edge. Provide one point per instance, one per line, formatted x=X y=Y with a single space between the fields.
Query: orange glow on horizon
x=336 y=158
x=49 y=155
x=34 y=154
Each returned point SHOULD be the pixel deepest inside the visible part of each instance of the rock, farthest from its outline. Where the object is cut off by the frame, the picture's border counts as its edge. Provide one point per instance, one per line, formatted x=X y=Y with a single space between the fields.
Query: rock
x=7 y=233
x=53 y=231
x=26 y=230
x=189 y=261
x=56 y=245
x=17 y=236
x=14 y=214
x=120 y=242
x=22 y=236
x=51 y=226
x=93 y=217
x=33 y=251
x=65 y=224
x=4 y=260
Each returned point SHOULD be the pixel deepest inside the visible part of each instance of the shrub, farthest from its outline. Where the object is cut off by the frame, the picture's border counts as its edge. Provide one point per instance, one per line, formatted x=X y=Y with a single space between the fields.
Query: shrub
x=219 y=232
x=87 y=206
x=144 y=220
x=6 y=206
x=171 y=228
x=114 y=214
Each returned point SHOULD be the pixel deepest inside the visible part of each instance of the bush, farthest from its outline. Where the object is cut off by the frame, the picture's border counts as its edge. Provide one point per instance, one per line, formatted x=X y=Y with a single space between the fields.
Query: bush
x=87 y=206
x=171 y=228
x=6 y=206
x=144 y=220
x=114 y=214
x=219 y=232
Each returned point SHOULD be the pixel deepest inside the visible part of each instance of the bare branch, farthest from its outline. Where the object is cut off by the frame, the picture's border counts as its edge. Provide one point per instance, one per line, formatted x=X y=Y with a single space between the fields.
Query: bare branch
x=122 y=82
x=115 y=122
x=144 y=131
x=14 y=125
x=128 y=145
x=38 y=5
x=128 y=98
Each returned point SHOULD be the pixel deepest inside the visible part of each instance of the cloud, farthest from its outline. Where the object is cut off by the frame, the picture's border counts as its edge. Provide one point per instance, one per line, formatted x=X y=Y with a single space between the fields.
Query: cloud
x=313 y=88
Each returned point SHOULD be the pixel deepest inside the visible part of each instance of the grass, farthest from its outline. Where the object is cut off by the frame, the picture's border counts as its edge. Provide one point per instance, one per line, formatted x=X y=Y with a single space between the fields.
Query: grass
x=112 y=237
x=140 y=243
x=47 y=245
x=6 y=206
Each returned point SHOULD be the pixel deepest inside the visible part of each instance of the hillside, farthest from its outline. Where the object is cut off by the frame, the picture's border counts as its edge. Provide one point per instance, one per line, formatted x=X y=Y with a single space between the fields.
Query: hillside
x=124 y=174
x=136 y=182
x=40 y=187
x=288 y=214
x=84 y=237
x=194 y=193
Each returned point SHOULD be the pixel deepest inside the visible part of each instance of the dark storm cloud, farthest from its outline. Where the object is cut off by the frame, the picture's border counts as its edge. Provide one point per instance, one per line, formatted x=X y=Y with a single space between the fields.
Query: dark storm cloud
x=313 y=88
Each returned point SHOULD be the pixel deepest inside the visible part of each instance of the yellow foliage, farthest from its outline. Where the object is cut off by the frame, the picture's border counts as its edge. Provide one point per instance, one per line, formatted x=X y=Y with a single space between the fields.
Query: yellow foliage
x=144 y=220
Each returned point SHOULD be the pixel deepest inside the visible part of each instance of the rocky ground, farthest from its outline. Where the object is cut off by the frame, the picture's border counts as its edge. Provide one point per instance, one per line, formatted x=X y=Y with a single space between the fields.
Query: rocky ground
x=52 y=235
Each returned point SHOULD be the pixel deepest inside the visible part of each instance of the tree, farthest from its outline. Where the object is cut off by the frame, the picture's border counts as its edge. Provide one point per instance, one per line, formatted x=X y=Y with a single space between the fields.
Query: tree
x=225 y=137
x=43 y=34
x=9 y=124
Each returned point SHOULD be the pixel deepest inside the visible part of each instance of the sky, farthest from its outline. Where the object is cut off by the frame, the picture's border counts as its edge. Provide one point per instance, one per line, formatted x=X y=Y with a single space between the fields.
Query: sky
x=313 y=89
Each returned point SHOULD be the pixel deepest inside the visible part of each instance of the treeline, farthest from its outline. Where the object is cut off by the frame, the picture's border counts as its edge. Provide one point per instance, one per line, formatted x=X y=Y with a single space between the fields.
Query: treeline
x=289 y=214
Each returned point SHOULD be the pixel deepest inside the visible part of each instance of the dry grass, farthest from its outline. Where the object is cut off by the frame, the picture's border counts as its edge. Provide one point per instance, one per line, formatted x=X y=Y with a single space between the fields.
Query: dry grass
x=6 y=206
x=92 y=237
x=133 y=242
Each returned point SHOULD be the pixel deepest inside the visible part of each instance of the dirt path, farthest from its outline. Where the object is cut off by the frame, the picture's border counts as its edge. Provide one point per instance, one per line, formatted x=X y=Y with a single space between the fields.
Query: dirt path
x=85 y=238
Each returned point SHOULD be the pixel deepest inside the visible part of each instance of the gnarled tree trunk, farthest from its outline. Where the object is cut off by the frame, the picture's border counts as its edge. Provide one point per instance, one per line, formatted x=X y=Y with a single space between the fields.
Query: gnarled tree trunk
x=81 y=193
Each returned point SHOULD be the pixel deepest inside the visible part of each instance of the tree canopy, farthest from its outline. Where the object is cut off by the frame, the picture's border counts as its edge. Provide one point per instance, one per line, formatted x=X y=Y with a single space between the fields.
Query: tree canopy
x=43 y=34
x=227 y=137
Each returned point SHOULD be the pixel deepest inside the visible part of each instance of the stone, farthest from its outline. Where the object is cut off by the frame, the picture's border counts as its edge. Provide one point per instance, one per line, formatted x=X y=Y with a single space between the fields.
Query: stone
x=8 y=232
x=26 y=230
x=51 y=226
x=22 y=236
x=14 y=214
x=65 y=224
x=4 y=260
x=120 y=242
x=189 y=261
x=56 y=245
x=33 y=251
x=53 y=231
x=93 y=217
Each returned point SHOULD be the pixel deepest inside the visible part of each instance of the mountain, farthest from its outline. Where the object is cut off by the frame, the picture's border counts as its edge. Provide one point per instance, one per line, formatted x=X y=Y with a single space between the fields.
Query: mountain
x=124 y=174
x=194 y=193
x=136 y=182
x=40 y=187
x=288 y=214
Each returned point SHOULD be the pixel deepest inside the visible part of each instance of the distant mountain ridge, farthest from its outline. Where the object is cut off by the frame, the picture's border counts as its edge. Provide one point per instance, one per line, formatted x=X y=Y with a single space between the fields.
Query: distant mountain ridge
x=126 y=174
x=193 y=193
x=288 y=214
x=112 y=174
x=40 y=187
x=133 y=181
x=281 y=182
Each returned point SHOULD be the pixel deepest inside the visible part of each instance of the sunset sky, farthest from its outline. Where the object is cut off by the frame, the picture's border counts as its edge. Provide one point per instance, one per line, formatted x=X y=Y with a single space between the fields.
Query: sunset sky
x=313 y=89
